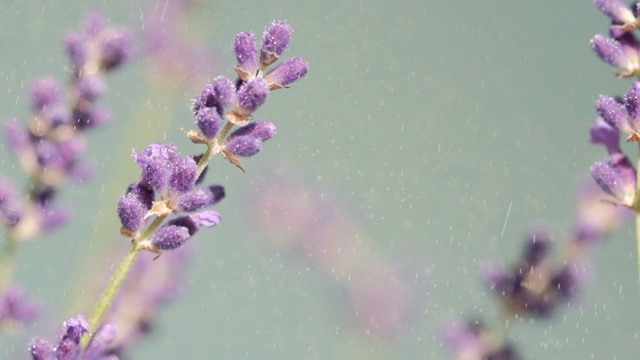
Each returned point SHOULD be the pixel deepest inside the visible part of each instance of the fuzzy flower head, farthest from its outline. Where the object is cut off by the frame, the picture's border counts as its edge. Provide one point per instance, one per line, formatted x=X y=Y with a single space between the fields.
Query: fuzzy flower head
x=617 y=177
x=622 y=114
x=535 y=286
x=623 y=16
x=68 y=347
x=169 y=185
x=622 y=53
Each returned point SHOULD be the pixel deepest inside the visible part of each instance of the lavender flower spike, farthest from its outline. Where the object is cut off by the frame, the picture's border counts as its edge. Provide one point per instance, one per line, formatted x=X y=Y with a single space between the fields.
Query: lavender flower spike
x=275 y=41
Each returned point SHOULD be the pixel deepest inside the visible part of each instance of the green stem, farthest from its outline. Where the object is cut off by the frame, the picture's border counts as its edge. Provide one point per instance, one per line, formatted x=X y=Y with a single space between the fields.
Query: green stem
x=212 y=149
x=8 y=262
x=110 y=293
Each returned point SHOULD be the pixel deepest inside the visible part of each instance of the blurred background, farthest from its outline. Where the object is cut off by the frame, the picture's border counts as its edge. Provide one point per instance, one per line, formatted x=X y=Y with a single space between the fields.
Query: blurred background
x=426 y=140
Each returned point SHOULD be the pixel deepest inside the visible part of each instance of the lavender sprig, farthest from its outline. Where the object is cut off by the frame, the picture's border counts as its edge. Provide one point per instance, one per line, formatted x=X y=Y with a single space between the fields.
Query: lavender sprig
x=50 y=147
x=537 y=284
x=170 y=183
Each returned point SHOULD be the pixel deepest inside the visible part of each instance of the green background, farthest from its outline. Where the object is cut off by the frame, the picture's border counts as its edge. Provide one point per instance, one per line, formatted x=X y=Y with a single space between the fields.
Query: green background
x=423 y=121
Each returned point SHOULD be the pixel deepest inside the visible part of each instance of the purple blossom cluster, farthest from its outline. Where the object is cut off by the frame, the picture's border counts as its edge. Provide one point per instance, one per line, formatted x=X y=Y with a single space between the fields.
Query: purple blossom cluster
x=172 y=179
x=49 y=148
x=539 y=283
x=69 y=347
x=162 y=210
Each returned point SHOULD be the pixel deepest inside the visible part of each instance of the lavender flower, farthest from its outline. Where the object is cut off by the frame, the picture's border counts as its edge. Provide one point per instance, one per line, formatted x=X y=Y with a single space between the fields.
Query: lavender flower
x=69 y=347
x=275 y=41
x=619 y=12
x=472 y=340
x=535 y=286
x=16 y=309
x=173 y=179
x=621 y=54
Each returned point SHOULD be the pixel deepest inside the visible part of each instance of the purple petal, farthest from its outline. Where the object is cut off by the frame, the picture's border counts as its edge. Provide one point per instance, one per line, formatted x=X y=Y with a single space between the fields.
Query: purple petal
x=207 y=218
x=244 y=146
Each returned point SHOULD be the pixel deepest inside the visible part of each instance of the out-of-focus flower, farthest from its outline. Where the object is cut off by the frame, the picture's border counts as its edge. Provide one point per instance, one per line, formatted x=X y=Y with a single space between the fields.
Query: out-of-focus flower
x=473 y=341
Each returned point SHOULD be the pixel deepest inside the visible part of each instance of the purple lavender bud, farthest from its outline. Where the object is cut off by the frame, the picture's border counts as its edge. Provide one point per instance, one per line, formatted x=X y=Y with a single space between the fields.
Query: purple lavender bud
x=206 y=99
x=610 y=181
x=11 y=207
x=225 y=91
x=612 y=113
x=604 y=134
x=41 y=349
x=183 y=175
x=616 y=10
x=45 y=92
x=53 y=218
x=91 y=87
x=275 y=41
x=569 y=280
x=246 y=52
x=57 y=114
x=536 y=249
x=186 y=222
x=90 y=116
x=75 y=328
x=197 y=199
x=17 y=136
x=632 y=105
x=252 y=95
x=288 y=72
x=16 y=307
x=72 y=331
x=625 y=169
x=207 y=218
x=77 y=49
x=100 y=342
x=94 y=24
x=244 y=146
x=117 y=48
x=209 y=122
x=610 y=51
x=131 y=212
x=263 y=130
x=155 y=162
x=170 y=237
